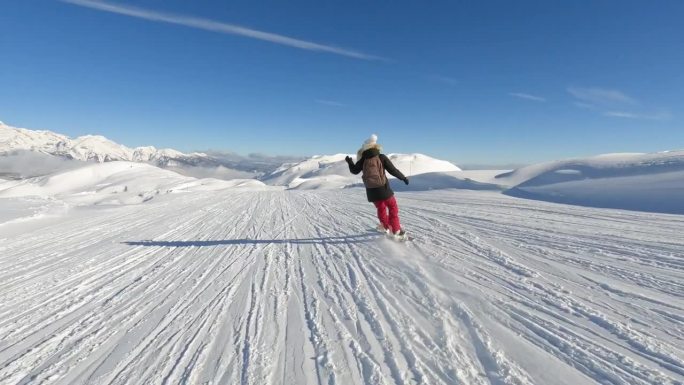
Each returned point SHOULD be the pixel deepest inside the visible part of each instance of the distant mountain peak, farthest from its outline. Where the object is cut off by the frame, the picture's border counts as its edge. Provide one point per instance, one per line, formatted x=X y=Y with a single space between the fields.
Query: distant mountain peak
x=320 y=171
x=87 y=148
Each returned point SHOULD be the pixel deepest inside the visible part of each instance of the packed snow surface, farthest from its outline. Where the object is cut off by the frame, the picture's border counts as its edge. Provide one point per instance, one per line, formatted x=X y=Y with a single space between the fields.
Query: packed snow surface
x=239 y=286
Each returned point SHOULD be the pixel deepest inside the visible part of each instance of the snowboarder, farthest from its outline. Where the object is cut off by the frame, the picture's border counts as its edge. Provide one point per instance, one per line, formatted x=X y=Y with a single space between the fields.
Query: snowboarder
x=374 y=164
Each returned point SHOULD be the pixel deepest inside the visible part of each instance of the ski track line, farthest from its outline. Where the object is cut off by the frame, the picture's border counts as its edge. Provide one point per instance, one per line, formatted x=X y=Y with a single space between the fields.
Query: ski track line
x=292 y=287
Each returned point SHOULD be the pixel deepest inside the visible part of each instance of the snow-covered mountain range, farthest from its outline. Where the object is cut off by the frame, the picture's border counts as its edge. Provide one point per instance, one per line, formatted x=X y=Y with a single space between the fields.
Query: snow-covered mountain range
x=325 y=171
x=89 y=148
x=635 y=181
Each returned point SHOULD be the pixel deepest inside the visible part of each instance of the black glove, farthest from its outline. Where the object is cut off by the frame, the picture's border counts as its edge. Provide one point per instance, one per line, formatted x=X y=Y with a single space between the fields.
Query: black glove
x=348 y=159
x=406 y=180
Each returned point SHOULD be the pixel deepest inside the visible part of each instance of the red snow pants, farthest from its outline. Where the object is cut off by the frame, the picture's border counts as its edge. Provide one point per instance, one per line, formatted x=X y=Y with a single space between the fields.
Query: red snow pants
x=390 y=221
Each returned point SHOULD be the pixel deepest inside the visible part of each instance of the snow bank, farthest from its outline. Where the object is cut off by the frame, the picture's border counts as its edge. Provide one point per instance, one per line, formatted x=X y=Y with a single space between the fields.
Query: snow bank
x=218 y=172
x=441 y=180
x=99 y=183
x=643 y=182
x=115 y=183
x=601 y=166
x=661 y=192
x=325 y=182
x=211 y=184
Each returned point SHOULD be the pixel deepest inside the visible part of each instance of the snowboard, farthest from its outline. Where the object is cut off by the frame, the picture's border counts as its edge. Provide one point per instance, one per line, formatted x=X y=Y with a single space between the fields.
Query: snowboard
x=405 y=239
x=391 y=237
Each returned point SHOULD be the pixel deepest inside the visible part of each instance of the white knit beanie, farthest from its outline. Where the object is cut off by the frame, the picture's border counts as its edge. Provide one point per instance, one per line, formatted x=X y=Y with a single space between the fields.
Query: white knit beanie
x=371 y=141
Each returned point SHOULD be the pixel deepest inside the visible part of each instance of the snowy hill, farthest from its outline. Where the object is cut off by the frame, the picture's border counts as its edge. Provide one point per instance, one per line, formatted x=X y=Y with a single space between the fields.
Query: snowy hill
x=113 y=183
x=645 y=182
x=331 y=171
x=20 y=164
x=636 y=181
x=444 y=180
x=601 y=166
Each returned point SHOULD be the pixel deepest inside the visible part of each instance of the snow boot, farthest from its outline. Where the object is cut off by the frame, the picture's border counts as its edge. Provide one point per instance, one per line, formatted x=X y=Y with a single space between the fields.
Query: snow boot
x=401 y=236
x=382 y=229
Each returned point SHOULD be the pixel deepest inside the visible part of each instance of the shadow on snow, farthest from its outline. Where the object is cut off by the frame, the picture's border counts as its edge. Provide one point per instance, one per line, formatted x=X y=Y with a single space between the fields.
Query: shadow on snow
x=360 y=238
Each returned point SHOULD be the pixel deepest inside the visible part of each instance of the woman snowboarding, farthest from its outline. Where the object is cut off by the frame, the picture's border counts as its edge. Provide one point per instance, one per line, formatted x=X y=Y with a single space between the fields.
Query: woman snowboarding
x=373 y=164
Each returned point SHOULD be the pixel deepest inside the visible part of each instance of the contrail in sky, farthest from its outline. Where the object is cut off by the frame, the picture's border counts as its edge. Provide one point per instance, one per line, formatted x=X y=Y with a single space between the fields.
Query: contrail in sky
x=217 y=26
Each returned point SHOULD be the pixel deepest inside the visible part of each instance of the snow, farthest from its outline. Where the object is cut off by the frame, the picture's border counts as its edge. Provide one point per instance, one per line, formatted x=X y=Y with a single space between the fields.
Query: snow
x=113 y=183
x=662 y=192
x=415 y=164
x=98 y=148
x=601 y=166
x=482 y=176
x=22 y=139
x=257 y=285
x=631 y=181
x=84 y=148
x=318 y=172
x=443 y=180
x=332 y=171
x=126 y=273
x=20 y=164
x=644 y=182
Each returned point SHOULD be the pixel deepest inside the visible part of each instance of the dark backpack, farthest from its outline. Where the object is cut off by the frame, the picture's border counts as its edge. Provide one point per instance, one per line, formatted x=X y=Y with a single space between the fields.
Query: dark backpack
x=374 y=173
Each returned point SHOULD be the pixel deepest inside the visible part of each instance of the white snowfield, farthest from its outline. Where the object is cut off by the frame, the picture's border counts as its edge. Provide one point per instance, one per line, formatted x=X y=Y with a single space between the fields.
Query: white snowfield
x=241 y=286
x=114 y=183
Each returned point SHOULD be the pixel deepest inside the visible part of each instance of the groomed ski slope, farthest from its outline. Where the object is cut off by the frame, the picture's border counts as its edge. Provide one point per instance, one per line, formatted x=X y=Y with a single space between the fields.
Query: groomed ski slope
x=290 y=287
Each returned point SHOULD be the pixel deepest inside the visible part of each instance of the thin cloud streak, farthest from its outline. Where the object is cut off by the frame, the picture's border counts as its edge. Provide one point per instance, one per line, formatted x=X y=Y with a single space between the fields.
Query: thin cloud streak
x=601 y=96
x=632 y=115
x=613 y=104
x=444 y=79
x=217 y=26
x=331 y=103
x=621 y=114
x=525 y=96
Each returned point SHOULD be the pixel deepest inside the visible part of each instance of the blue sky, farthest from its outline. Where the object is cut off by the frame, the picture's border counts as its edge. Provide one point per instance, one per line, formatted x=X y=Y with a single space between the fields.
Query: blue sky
x=473 y=82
